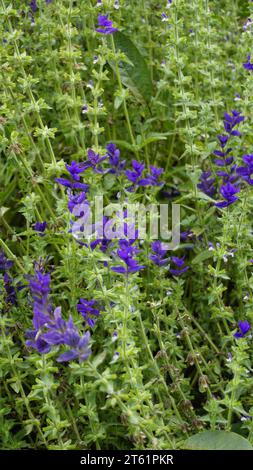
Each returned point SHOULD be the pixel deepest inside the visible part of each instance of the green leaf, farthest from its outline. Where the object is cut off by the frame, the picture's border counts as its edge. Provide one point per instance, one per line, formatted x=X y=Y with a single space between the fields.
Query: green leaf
x=217 y=440
x=109 y=181
x=15 y=386
x=153 y=137
x=135 y=75
x=202 y=257
x=99 y=359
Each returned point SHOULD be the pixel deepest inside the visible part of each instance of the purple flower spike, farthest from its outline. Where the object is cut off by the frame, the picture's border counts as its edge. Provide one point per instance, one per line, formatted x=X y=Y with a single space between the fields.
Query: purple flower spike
x=75 y=169
x=126 y=252
x=50 y=328
x=152 y=178
x=248 y=65
x=87 y=309
x=244 y=327
x=180 y=267
x=105 y=25
x=228 y=192
x=246 y=171
x=207 y=184
x=40 y=227
x=94 y=159
x=231 y=121
x=117 y=165
x=5 y=265
x=81 y=349
x=33 y=5
x=135 y=174
x=159 y=254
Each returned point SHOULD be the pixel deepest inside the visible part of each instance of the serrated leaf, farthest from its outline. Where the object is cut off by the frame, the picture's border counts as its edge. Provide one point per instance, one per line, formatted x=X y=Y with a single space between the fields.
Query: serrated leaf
x=217 y=440
x=135 y=75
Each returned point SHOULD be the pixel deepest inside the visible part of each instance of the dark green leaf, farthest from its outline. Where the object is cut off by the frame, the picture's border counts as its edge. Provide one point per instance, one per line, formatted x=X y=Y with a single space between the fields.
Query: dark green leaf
x=217 y=440
x=135 y=75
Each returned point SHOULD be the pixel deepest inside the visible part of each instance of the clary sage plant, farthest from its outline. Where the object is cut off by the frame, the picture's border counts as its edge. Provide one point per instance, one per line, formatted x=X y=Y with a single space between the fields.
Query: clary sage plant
x=111 y=338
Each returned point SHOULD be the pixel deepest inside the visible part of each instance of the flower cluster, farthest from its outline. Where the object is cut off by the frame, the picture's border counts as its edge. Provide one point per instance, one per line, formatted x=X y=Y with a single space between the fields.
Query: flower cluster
x=126 y=253
x=248 y=65
x=5 y=266
x=88 y=310
x=246 y=171
x=105 y=25
x=206 y=184
x=227 y=170
x=50 y=328
x=179 y=266
x=159 y=253
x=117 y=165
x=40 y=227
x=244 y=327
x=136 y=177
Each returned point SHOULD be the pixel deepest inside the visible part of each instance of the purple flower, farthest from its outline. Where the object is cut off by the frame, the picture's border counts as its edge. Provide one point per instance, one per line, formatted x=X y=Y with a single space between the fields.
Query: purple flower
x=152 y=178
x=228 y=192
x=223 y=140
x=34 y=341
x=11 y=296
x=105 y=25
x=75 y=169
x=180 y=267
x=50 y=329
x=246 y=171
x=229 y=175
x=248 y=65
x=159 y=254
x=231 y=121
x=39 y=285
x=88 y=310
x=94 y=159
x=135 y=174
x=101 y=240
x=223 y=160
x=126 y=252
x=68 y=184
x=76 y=200
x=5 y=265
x=33 y=5
x=244 y=327
x=114 y=159
x=164 y=17
x=80 y=348
x=40 y=227
x=207 y=184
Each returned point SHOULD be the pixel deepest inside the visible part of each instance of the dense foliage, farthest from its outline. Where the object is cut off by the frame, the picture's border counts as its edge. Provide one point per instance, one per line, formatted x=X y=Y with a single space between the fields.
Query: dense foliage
x=121 y=343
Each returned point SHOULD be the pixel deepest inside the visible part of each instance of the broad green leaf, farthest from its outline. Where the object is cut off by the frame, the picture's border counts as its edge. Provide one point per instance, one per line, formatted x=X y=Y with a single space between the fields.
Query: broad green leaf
x=217 y=440
x=135 y=75
x=153 y=137
x=202 y=257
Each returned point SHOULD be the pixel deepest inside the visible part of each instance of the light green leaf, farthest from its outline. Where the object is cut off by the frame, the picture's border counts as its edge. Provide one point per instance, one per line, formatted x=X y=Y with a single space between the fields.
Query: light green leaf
x=217 y=440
